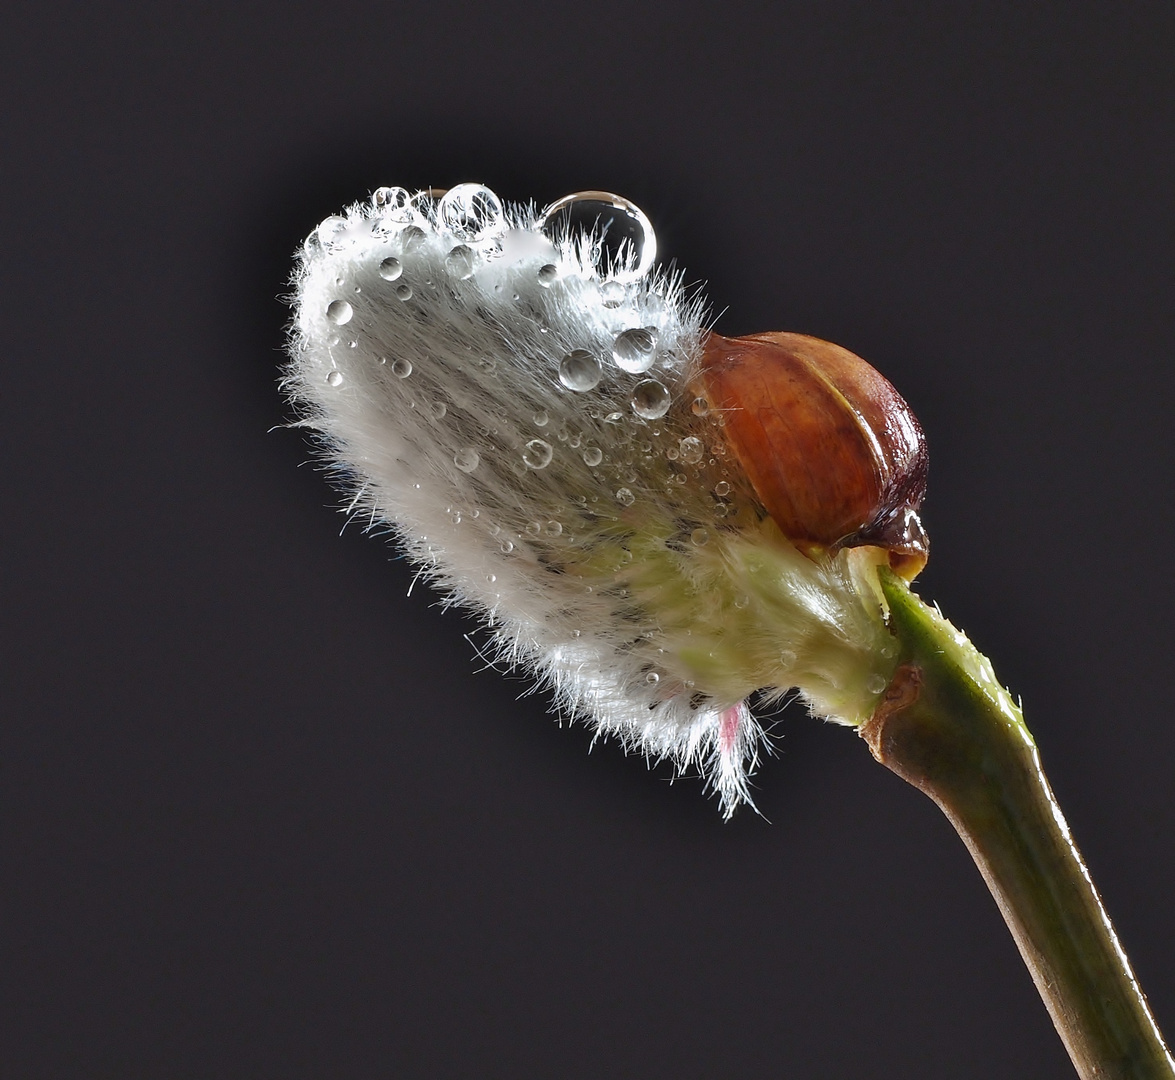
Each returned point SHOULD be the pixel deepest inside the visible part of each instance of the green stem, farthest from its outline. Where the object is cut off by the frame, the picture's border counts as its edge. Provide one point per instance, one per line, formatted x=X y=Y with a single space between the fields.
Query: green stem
x=947 y=726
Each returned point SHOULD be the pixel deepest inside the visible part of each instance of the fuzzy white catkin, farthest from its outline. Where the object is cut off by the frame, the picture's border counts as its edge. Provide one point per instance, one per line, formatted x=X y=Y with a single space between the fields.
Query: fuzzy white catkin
x=515 y=397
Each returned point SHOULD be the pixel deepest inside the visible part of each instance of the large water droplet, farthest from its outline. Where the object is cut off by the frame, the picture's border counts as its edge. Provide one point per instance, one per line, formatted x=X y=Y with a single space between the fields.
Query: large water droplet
x=691 y=450
x=625 y=497
x=537 y=454
x=467 y=459
x=392 y=202
x=339 y=312
x=634 y=350
x=471 y=212
x=592 y=456
x=390 y=269
x=580 y=371
x=650 y=400
x=331 y=232
x=401 y=368
x=459 y=262
x=610 y=231
x=547 y=275
x=334 y=378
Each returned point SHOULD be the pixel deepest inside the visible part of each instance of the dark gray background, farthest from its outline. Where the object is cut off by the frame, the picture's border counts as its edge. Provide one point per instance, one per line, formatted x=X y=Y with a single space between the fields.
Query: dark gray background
x=263 y=818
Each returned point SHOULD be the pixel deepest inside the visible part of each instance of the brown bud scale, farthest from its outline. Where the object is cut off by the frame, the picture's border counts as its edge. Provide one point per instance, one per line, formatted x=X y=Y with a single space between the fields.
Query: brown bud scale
x=832 y=450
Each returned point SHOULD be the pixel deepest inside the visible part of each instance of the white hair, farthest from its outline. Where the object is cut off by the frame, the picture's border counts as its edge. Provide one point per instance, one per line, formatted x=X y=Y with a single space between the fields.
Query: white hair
x=515 y=398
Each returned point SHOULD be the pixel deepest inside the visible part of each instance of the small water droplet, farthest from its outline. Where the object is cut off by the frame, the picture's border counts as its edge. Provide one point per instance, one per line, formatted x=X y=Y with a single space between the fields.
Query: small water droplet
x=691 y=450
x=592 y=456
x=467 y=459
x=491 y=578
x=787 y=657
x=534 y=527
x=875 y=684
x=401 y=368
x=614 y=418
x=700 y=537
x=625 y=497
x=554 y=528
x=652 y=677
x=537 y=454
x=471 y=212
x=634 y=350
x=612 y=294
x=438 y=409
x=404 y=292
x=412 y=237
x=334 y=378
x=575 y=442
x=506 y=546
x=390 y=268
x=459 y=262
x=700 y=407
x=614 y=233
x=547 y=275
x=672 y=453
x=339 y=312
x=580 y=371
x=741 y=601
x=721 y=488
x=650 y=400
x=541 y=418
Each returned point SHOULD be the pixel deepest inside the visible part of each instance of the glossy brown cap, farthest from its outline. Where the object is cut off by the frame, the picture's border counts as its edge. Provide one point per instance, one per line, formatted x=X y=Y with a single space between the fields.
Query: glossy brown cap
x=832 y=450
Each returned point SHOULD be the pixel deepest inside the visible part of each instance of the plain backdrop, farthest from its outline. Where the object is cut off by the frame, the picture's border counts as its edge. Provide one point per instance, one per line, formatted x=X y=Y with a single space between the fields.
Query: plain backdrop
x=262 y=814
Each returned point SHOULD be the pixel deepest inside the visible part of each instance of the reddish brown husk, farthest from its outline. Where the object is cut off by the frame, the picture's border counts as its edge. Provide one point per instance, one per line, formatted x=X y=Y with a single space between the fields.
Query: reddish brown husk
x=834 y=453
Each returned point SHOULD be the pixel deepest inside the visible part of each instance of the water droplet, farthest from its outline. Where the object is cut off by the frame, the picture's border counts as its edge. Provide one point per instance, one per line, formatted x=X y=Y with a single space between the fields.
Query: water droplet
x=537 y=454
x=721 y=488
x=592 y=456
x=401 y=368
x=541 y=418
x=390 y=268
x=412 y=237
x=672 y=453
x=471 y=212
x=575 y=442
x=459 y=262
x=438 y=409
x=467 y=459
x=580 y=371
x=547 y=275
x=331 y=232
x=691 y=450
x=634 y=350
x=741 y=601
x=652 y=677
x=404 y=292
x=787 y=657
x=700 y=537
x=614 y=418
x=392 y=201
x=554 y=528
x=610 y=231
x=875 y=684
x=625 y=497
x=700 y=407
x=339 y=312
x=612 y=294
x=534 y=527
x=334 y=378
x=491 y=578
x=650 y=400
